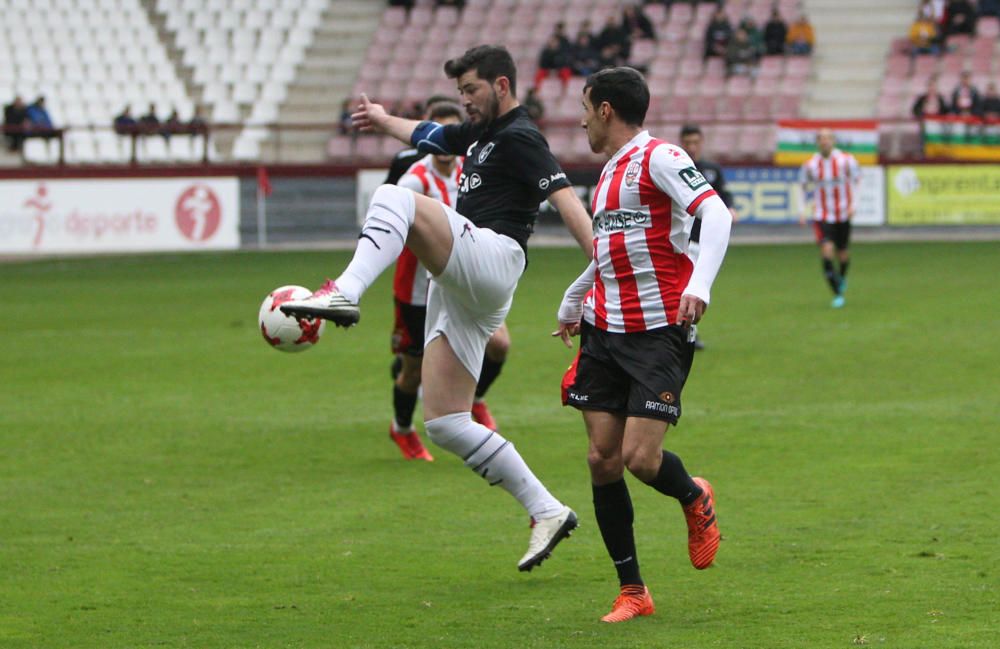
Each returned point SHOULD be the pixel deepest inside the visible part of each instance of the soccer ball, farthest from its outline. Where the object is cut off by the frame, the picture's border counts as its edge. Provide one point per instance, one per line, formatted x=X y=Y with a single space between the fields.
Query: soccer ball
x=285 y=332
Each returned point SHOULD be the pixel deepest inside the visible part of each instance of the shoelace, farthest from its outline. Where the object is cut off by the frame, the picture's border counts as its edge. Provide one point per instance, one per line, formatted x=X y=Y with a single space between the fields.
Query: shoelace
x=328 y=287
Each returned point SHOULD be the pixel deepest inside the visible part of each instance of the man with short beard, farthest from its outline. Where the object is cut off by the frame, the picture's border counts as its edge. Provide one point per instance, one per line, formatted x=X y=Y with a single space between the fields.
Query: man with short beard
x=475 y=254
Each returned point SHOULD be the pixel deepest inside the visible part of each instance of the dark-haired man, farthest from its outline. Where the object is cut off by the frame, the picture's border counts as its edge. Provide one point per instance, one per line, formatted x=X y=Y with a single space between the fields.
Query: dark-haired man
x=693 y=142
x=639 y=300
x=475 y=264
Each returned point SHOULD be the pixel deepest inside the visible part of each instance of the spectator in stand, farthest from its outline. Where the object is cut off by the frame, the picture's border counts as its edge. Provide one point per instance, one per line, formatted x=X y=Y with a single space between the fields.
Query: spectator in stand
x=718 y=34
x=989 y=107
x=560 y=33
x=931 y=103
x=554 y=58
x=637 y=24
x=39 y=121
x=924 y=36
x=965 y=98
x=613 y=35
x=989 y=8
x=149 y=123
x=124 y=123
x=774 y=33
x=748 y=25
x=172 y=125
x=800 y=39
x=585 y=60
x=960 y=18
x=15 y=116
x=197 y=125
x=741 y=55
x=610 y=57
x=585 y=28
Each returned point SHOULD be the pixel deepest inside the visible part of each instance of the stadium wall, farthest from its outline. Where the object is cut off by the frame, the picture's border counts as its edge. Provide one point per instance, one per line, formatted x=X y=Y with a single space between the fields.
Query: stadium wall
x=147 y=209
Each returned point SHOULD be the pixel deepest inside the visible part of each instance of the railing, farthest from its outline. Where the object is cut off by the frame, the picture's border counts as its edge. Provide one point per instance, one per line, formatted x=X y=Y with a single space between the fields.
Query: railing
x=900 y=140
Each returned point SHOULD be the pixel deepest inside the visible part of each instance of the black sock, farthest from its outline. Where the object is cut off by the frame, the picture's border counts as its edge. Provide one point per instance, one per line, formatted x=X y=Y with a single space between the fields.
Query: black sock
x=490 y=372
x=673 y=480
x=843 y=268
x=403 y=404
x=831 y=276
x=613 y=509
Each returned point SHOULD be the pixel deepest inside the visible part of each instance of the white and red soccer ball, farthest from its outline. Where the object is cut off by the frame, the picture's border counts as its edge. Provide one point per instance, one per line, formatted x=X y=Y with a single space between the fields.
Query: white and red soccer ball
x=285 y=332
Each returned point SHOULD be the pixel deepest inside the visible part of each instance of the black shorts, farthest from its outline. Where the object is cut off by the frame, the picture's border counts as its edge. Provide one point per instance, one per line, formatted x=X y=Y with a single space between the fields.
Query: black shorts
x=839 y=234
x=636 y=374
x=408 y=331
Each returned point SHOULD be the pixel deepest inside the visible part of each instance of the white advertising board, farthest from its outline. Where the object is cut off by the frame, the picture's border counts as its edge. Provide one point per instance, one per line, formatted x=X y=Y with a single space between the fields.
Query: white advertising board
x=97 y=215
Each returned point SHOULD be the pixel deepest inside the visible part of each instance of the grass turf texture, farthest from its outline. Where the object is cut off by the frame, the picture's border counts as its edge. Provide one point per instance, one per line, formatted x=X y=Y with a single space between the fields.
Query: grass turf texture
x=167 y=480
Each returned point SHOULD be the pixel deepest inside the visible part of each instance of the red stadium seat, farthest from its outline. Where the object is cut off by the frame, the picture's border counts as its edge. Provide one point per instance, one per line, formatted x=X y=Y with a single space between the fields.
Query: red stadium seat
x=729 y=109
x=798 y=66
x=757 y=108
x=924 y=65
x=680 y=12
x=339 y=147
x=771 y=67
x=765 y=87
x=988 y=26
x=675 y=108
x=738 y=86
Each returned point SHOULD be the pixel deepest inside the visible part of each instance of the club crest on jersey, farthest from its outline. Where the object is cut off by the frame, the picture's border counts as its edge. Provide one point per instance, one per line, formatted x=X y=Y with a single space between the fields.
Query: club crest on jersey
x=632 y=172
x=472 y=147
x=692 y=177
x=485 y=153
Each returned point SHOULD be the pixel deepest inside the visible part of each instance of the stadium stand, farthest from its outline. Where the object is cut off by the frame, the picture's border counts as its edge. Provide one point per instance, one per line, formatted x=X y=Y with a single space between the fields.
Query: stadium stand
x=88 y=58
x=684 y=85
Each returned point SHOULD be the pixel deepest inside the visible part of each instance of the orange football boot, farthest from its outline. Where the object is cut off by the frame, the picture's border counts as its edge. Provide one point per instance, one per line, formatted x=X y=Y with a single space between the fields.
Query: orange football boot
x=410 y=444
x=632 y=602
x=481 y=413
x=703 y=529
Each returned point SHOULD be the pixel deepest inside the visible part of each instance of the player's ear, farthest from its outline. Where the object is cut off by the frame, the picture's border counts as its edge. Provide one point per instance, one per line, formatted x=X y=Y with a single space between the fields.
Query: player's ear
x=502 y=85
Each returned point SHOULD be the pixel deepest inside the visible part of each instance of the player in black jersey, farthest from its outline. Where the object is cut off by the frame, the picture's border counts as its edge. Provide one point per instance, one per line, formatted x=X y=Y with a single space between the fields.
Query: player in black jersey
x=692 y=141
x=475 y=260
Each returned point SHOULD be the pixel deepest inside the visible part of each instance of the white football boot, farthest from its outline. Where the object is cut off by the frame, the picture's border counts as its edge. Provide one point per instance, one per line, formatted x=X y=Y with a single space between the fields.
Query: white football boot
x=327 y=303
x=545 y=536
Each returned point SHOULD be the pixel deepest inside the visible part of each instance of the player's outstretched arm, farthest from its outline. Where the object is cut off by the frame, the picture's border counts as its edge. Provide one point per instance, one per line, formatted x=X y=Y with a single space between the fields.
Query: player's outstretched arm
x=372 y=118
x=575 y=216
x=716 y=223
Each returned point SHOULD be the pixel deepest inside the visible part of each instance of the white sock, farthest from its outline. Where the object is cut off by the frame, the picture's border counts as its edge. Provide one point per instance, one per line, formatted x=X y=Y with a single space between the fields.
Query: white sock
x=382 y=238
x=495 y=459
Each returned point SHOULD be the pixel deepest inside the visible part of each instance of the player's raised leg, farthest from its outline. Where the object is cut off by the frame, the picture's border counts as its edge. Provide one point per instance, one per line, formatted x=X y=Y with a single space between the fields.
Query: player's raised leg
x=396 y=217
x=614 y=513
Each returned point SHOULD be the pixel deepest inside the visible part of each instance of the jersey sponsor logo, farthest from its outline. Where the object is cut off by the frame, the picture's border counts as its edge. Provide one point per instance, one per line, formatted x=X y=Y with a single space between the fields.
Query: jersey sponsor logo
x=666 y=397
x=692 y=177
x=632 y=172
x=485 y=153
x=543 y=183
x=620 y=220
x=468 y=183
x=579 y=398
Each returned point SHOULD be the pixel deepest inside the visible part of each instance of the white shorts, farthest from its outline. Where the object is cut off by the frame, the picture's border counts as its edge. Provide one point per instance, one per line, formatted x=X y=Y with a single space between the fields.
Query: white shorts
x=469 y=300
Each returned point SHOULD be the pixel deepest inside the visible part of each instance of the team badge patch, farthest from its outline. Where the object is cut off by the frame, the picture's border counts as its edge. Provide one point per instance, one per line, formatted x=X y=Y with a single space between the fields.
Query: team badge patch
x=666 y=397
x=485 y=153
x=692 y=178
x=632 y=172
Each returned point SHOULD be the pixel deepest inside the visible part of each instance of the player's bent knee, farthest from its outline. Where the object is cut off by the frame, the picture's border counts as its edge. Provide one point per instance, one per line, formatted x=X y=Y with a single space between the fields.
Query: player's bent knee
x=642 y=463
x=456 y=433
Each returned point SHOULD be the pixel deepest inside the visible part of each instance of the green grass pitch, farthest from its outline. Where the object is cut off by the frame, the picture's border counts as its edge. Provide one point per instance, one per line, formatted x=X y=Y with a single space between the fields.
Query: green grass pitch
x=167 y=480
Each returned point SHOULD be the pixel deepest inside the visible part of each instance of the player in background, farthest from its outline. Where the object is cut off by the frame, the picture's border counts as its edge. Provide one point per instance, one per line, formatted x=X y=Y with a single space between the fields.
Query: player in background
x=436 y=176
x=693 y=141
x=475 y=264
x=639 y=301
x=403 y=160
x=832 y=176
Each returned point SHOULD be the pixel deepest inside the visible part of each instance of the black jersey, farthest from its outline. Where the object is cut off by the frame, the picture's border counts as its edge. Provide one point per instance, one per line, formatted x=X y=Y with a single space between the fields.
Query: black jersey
x=713 y=174
x=507 y=173
x=401 y=162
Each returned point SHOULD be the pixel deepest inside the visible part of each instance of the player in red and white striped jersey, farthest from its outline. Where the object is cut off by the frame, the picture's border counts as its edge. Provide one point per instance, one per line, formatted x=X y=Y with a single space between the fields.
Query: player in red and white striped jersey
x=832 y=177
x=436 y=176
x=644 y=293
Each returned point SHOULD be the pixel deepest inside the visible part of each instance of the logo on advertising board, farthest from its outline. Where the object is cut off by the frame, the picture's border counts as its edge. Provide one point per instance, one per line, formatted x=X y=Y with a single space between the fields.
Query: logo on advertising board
x=198 y=213
x=39 y=205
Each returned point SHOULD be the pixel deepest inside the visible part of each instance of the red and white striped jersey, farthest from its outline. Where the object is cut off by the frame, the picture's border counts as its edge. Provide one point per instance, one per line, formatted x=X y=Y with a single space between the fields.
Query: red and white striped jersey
x=409 y=284
x=833 y=179
x=643 y=211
